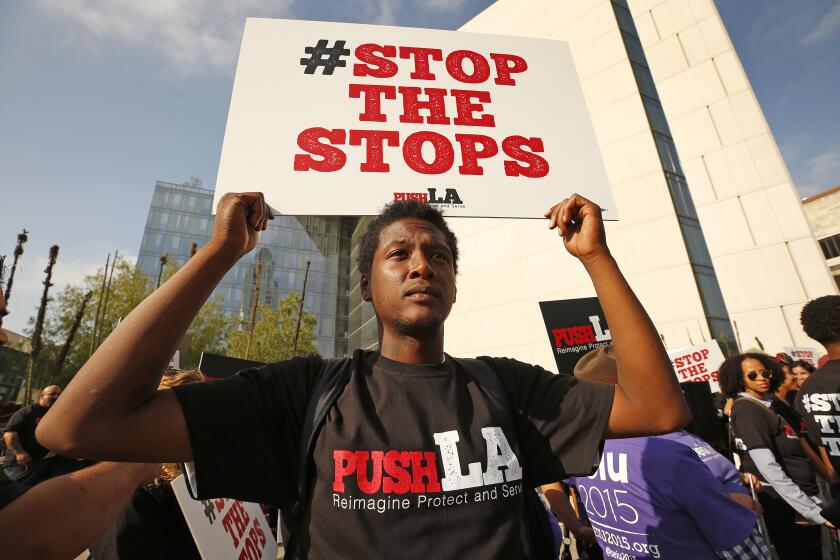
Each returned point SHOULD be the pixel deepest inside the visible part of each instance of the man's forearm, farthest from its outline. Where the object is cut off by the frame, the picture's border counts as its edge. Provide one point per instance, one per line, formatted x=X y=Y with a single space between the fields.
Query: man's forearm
x=128 y=365
x=12 y=441
x=646 y=381
x=560 y=506
x=74 y=510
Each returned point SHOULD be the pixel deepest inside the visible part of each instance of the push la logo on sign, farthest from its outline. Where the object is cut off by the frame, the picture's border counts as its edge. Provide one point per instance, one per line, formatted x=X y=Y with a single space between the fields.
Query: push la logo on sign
x=448 y=199
x=385 y=480
x=575 y=327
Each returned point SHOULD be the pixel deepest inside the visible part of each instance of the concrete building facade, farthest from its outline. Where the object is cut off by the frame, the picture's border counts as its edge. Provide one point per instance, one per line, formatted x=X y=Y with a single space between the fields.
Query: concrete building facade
x=823 y=213
x=180 y=215
x=710 y=229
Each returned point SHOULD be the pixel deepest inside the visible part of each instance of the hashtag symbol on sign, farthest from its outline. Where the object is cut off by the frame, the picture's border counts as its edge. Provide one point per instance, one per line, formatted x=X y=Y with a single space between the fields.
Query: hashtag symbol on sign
x=209 y=512
x=333 y=57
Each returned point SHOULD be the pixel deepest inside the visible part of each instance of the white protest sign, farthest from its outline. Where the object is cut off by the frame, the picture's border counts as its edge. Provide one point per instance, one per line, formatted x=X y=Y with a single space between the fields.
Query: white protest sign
x=339 y=119
x=698 y=363
x=225 y=529
x=805 y=353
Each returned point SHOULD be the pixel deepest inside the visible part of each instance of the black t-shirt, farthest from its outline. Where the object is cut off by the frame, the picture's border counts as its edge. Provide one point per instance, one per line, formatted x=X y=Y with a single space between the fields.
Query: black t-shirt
x=414 y=461
x=151 y=526
x=757 y=426
x=9 y=489
x=24 y=422
x=818 y=402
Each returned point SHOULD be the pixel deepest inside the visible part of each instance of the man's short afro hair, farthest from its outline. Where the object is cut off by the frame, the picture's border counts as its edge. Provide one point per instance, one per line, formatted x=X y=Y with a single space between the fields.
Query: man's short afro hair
x=820 y=319
x=403 y=210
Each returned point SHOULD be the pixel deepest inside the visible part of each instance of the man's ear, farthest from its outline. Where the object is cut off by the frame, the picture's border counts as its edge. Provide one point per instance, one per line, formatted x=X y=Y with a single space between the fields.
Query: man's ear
x=364 y=285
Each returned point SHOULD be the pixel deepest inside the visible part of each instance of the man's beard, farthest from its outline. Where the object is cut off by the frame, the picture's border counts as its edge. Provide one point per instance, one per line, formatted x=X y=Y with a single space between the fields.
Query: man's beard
x=414 y=329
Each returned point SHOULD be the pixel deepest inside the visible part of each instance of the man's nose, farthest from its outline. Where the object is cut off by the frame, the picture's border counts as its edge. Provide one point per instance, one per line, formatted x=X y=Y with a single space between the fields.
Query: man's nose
x=420 y=266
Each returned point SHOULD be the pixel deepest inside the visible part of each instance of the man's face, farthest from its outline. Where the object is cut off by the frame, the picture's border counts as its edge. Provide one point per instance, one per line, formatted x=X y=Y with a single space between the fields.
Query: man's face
x=3 y=312
x=412 y=279
x=49 y=395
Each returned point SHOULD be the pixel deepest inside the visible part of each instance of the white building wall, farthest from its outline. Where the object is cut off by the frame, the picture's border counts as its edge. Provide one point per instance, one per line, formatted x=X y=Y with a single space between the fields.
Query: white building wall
x=508 y=266
x=765 y=257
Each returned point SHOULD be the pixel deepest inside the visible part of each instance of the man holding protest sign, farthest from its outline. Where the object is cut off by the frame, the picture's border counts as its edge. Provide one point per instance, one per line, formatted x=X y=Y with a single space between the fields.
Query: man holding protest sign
x=404 y=416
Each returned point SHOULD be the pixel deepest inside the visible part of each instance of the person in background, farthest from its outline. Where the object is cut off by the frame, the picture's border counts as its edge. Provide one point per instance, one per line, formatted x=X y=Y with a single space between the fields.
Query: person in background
x=671 y=496
x=59 y=518
x=27 y=461
x=772 y=449
x=788 y=387
x=152 y=525
x=819 y=397
x=802 y=370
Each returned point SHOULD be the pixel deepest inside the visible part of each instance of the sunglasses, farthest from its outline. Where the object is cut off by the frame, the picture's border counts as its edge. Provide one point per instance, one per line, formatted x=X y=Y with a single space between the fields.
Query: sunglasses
x=765 y=374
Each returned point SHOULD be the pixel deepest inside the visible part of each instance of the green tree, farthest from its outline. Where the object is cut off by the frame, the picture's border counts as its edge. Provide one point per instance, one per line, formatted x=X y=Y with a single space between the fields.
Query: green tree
x=129 y=287
x=208 y=333
x=274 y=333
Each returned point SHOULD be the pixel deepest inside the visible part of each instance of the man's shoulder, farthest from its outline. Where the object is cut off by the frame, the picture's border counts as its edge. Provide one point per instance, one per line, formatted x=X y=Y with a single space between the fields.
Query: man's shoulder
x=822 y=380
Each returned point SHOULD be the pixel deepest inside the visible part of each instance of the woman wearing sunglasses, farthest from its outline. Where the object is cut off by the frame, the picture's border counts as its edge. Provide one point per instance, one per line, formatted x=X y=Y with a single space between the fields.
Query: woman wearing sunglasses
x=770 y=448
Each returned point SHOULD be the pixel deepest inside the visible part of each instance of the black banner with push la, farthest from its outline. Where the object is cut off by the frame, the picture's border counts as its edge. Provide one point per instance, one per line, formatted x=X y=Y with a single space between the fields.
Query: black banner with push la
x=575 y=327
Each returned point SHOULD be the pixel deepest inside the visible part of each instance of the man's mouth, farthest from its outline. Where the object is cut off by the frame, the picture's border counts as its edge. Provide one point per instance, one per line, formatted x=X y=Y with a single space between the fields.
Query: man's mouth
x=422 y=293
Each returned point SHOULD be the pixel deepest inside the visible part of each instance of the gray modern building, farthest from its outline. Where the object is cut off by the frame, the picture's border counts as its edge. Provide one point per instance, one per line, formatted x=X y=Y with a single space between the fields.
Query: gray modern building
x=181 y=215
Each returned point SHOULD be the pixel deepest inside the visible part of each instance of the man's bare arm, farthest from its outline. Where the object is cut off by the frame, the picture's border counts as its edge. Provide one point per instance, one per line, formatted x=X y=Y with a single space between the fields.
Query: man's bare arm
x=12 y=441
x=61 y=517
x=112 y=409
x=647 y=399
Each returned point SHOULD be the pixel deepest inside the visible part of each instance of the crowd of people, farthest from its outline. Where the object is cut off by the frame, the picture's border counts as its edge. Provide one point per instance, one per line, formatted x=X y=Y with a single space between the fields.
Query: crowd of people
x=464 y=450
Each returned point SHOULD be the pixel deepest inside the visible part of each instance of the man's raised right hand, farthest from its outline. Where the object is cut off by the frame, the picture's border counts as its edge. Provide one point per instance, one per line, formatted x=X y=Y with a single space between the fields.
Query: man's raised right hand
x=239 y=219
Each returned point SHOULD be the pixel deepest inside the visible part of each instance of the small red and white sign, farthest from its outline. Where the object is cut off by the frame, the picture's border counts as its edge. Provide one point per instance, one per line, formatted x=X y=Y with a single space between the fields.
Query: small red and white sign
x=340 y=119
x=225 y=529
x=805 y=353
x=697 y=364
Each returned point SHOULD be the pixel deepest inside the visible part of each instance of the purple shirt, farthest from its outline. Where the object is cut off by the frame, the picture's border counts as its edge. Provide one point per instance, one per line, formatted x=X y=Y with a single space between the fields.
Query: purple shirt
x=653 y=497
x=722 y=469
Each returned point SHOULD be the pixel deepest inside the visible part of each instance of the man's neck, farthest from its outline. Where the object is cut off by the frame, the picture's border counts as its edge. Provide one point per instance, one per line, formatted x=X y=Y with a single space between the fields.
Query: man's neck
x=417 y=349
x=833 y=351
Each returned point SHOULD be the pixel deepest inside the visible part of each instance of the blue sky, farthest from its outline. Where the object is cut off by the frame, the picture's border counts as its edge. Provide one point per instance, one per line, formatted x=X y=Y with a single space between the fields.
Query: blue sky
x=101 y=98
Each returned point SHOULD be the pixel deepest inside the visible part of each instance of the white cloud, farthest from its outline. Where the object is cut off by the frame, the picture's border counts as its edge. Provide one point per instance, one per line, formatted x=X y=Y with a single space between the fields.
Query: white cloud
x=441 y=6
x=827 y=28
x=192 y=35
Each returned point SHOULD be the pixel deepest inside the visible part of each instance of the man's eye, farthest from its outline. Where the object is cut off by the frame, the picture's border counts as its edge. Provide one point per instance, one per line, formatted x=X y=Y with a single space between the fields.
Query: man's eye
x=441 y=256
x=397 y=253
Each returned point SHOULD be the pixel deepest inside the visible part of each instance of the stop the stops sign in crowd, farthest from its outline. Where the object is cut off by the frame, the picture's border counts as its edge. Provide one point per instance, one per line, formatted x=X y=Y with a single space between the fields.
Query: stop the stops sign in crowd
x=225 y=529
x=805 y=353
x=697 y=364
x=339 y=119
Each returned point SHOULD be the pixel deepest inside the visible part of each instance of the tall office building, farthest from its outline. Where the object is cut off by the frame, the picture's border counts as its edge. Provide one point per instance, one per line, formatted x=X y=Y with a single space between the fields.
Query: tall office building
x=710 y=234
x=180 y=215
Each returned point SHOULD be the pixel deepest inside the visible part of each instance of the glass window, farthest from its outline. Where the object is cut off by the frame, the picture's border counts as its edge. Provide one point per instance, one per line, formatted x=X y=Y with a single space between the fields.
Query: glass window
x=656 y=116
x=667 y=153
x=634 y=48
x=710 y=294
x=695 y=243
x=644 y=80
x=681 y=196
x=830 y=246
x=625 y=20
x=176 y=200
